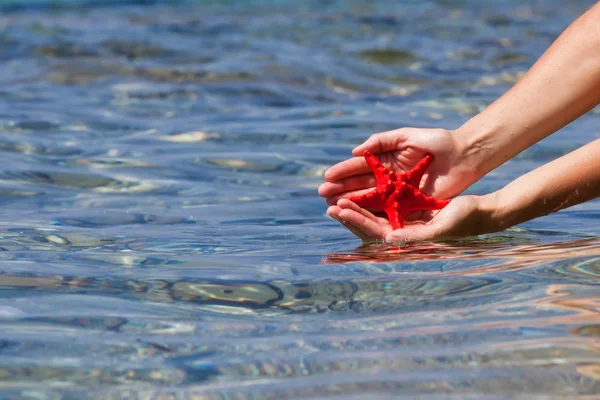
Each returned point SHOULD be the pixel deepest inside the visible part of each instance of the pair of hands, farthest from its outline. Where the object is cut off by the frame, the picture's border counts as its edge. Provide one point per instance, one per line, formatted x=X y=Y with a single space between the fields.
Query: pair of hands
x=400 y=150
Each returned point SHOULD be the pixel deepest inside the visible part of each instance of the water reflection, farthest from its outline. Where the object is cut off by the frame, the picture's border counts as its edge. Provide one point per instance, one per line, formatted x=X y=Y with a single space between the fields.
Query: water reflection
x=389 y=286
x=505 y=252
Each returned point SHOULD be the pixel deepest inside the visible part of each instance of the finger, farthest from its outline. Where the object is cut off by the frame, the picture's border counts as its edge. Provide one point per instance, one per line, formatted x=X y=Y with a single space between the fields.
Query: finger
x=346 y=204
x=350 y=167
x=369 y=227
x=414 y=232
x=359 y=182
x=334 y=199
x=334 y=212
x=378 y=216
x=381 y=142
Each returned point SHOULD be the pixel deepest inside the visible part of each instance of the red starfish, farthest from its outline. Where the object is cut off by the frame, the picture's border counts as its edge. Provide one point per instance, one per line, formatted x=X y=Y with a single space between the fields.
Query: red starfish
x=398 y=195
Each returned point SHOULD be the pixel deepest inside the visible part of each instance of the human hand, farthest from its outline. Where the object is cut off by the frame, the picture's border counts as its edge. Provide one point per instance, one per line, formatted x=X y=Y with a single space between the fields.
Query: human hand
x=400 y=150
x=463 y=216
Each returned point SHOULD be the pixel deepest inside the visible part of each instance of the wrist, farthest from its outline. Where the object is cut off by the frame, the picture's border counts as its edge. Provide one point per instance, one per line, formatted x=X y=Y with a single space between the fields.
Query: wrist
x=499 y=210
x=479 y=147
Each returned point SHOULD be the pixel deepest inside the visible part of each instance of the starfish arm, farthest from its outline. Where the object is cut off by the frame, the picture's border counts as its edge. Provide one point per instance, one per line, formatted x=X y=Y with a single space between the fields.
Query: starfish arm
x=397 y=195
x=415 y=175
x=382 y=174
x=396 y=219
x=373 y=199
x=421 y=201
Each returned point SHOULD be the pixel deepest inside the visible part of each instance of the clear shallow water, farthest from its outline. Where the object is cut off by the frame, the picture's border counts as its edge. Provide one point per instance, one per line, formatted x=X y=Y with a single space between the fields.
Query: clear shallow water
x=162 y=237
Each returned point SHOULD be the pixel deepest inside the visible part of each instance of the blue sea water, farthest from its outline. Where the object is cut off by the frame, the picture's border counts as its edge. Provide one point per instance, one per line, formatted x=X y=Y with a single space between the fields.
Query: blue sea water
x=160 y=232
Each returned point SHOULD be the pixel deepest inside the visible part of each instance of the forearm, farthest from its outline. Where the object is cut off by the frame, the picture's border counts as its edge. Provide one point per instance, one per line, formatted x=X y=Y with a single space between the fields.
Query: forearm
x=562 y=85
x=569 y=180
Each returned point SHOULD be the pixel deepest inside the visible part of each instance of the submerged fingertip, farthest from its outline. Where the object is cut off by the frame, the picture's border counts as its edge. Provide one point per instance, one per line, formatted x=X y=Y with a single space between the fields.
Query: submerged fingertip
x=397 y=237
x=399 y=242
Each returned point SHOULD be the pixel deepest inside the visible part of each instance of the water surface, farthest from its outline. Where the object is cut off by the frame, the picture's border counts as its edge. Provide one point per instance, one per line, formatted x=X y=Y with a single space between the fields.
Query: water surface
x=160 y=232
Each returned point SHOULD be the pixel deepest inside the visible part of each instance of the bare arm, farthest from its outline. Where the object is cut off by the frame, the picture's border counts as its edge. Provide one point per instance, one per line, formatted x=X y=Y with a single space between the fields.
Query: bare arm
x=562 y=85
x=567 y=181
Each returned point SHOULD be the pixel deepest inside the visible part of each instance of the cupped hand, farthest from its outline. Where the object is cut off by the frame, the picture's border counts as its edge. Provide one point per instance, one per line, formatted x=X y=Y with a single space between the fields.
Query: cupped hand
x=400 y=150
x=463 y=216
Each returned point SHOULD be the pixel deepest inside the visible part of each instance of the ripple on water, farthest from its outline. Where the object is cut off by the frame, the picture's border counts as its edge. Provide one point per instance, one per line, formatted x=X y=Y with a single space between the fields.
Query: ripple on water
x=88 y=181
x=388 y=56
x=8 y=194
x=120 y=218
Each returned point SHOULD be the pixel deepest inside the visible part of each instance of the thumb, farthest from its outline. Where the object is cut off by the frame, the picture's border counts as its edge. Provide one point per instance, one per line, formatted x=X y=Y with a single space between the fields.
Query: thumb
x=381 y=142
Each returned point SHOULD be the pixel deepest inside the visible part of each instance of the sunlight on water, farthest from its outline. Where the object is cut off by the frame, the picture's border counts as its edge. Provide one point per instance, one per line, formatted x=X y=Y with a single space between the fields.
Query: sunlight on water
x=160 y=232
